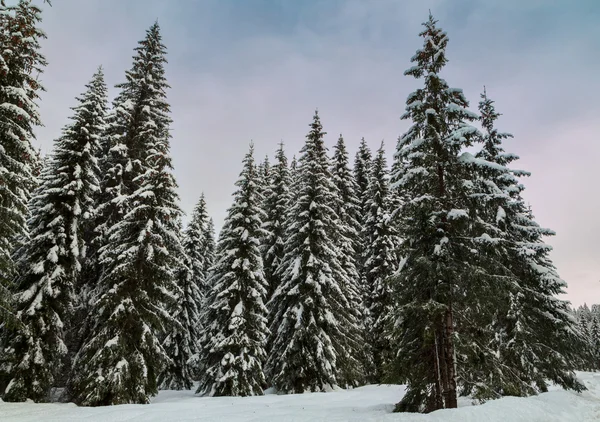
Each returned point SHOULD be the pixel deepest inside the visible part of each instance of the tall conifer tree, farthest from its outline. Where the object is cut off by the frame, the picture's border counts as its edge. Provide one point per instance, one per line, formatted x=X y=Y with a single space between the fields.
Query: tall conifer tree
x=20 y=62
x=276 y=205
x=309 y=309
x=531 y=331
x=122 y=354
x=51 y=262
x=439 y=258
x=236 y=317
x=380 y=259
x=347 y=208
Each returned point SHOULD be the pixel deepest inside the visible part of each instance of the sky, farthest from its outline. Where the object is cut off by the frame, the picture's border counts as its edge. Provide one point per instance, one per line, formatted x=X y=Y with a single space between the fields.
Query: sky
x=243 y=70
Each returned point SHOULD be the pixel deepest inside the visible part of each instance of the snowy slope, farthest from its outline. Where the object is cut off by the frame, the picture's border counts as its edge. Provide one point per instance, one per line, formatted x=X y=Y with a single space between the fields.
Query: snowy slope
x=365 y=404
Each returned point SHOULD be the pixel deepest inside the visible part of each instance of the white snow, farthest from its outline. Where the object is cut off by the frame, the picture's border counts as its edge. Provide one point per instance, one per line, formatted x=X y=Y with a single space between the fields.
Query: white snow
x=365 y=404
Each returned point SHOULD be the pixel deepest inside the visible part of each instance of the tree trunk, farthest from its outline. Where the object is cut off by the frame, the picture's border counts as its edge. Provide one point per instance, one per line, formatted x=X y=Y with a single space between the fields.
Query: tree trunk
x=450 y=396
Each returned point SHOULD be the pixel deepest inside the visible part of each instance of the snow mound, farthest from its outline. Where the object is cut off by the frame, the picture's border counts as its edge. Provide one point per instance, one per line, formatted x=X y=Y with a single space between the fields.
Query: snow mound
x=373 y=403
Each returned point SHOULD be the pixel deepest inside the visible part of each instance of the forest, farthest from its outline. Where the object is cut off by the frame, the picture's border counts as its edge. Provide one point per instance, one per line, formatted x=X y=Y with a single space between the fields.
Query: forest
x=330 y=269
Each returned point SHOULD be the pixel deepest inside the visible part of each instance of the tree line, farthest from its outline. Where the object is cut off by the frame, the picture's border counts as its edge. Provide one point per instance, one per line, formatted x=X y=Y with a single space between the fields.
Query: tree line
x=431 y=272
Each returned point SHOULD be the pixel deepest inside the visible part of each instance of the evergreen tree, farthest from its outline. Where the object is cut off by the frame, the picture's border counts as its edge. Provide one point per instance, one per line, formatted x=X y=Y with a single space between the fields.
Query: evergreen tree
x=196 y=244
x=533 y=332
x=182 y=343
x=236 y=330
x=50 y=263
x=439 y=262
x=20 y=62
x=348 y=212
x=276 y=205
x=309 y=309
x=380 y=259
x=362 y=169
x=122 y=355
x=197 y=258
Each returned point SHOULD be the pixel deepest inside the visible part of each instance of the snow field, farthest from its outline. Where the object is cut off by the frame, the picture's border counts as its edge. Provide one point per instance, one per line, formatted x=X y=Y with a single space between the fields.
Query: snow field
x=373 y=403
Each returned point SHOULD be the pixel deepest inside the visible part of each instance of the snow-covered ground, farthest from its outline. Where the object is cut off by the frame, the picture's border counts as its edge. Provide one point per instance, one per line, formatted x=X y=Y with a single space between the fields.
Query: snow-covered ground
x=365 y=404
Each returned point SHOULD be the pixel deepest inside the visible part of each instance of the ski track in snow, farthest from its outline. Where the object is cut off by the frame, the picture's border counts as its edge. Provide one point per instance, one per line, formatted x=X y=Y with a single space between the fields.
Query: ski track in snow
x=365 y=404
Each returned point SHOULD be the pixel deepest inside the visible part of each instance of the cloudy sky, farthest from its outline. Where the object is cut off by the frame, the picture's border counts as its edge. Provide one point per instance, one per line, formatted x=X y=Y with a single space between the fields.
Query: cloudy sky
x=257 y=69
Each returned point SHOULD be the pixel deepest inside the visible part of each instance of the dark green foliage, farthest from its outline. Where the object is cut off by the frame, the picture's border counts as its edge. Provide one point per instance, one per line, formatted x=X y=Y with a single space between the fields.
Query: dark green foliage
x=51 y=262
x=440 y=262
x=20 y=62
x=380 y=260
x=122 y=355
x=309 y=310
x=236 y=317
x=276 y=206
x=359 y=362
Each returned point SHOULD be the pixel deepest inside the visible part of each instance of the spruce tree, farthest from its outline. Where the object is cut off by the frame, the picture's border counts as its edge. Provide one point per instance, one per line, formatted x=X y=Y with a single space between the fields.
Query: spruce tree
x=20 y=62
x=276 y=205
x=362 y=169
x=236 y=323
x=347 y=208
x=380 y=259
x=183 y=346
x=182 y=343
x=51 y=261
x=310 y=308
x=122 y=355
x=533 y=332
x=439 y=262
x=196 y=244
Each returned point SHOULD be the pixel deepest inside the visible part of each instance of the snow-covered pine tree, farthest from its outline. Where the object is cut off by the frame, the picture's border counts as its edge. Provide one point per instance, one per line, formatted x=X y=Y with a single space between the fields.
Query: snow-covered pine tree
x=276 y=205
x=236 y=317
x=122 y=355
x=196 y=243
x=362 y=169
x=90 y=122
x=20 y=62
x=182 y=343
x=532 y=331
x=347 y=208
x=51 y=261
x=195 y=264
x=309 y=309
x=380 y=260
x=440 y=263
